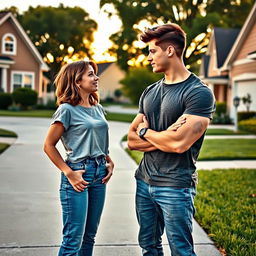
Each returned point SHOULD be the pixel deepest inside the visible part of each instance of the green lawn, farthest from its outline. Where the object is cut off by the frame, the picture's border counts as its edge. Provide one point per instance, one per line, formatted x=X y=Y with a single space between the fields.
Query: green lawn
x=227 y=149
x=6 y=133
x=219 y=149
x=215 y=131
x=27 y=113
x=226 y=209
x=3 y=147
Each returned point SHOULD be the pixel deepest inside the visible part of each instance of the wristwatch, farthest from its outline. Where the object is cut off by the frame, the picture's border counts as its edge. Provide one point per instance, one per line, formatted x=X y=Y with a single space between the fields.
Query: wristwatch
x=142 y=133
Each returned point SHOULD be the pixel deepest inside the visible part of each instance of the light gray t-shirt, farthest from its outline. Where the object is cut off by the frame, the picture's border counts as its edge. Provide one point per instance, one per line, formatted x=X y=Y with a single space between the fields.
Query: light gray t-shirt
x=86 y=131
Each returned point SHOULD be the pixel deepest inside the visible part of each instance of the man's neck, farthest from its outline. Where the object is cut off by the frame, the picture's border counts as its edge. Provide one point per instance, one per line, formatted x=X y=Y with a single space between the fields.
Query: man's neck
x=176 y=74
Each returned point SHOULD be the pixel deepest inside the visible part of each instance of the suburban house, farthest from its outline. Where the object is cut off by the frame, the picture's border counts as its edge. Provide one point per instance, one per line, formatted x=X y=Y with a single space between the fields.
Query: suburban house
x=21 y=65
x=229 y=65
x=110 y=75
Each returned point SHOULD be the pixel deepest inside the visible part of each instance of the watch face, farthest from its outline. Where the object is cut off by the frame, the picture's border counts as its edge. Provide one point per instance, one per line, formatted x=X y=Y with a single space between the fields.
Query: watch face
x=143 y=131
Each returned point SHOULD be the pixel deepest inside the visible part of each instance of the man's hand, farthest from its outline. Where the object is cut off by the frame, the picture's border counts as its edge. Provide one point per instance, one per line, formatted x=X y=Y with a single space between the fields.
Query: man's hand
x=144 y=124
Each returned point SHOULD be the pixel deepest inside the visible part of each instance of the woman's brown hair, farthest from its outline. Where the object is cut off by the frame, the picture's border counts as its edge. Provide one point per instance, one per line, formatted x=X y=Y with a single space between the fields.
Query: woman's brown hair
x=66 y=80
x=165 y=35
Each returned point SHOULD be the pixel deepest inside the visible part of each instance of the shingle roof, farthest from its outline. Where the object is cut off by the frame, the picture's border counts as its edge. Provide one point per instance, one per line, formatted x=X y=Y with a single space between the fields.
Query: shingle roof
x=205 y=61
x=2 y=14
x=103 y=66
x=224 y=38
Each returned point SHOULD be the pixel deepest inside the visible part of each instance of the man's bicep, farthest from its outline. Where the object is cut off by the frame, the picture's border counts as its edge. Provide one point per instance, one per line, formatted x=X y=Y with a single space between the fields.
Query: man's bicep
x=192 y=130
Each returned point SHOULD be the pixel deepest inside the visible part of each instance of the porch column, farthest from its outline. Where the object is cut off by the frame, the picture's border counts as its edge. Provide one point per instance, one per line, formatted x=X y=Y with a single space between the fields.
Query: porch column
x=4 y=79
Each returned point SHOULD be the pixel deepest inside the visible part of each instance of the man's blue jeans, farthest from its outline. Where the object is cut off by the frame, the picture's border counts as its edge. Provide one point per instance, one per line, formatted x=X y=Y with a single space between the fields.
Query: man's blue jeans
x=165 y=207
x=82 y=210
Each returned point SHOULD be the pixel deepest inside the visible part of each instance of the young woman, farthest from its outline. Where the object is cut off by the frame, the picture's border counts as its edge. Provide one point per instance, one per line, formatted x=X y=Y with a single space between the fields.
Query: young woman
x=80 y=123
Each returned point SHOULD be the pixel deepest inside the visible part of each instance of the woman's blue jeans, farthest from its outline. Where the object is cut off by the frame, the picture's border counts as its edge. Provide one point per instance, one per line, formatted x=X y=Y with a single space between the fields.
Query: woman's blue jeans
x=82 y=210
x=165 y=207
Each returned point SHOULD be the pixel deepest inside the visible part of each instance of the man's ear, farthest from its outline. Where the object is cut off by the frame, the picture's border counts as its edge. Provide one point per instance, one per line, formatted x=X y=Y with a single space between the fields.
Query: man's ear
x=170 y=51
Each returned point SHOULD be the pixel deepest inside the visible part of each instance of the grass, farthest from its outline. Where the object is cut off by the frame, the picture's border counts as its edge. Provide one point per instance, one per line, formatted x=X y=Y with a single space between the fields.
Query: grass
x=226 y=208
x=6 y=133
x=3 y=147
x=27 y=113
x=215 y=131
x=228 y=149
x=219 y=149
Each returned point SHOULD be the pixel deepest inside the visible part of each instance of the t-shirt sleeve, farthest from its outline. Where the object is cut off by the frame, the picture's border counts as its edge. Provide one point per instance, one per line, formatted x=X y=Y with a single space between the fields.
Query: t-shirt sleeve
x=62 y=115
x=201 y=102
x=102 y=110
x=141 y=109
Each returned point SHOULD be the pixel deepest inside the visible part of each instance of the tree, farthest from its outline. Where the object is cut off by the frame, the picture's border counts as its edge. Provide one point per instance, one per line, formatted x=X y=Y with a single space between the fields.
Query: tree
x=59 y=33
x=136 y=81
x=196 y=17
x=247 y=100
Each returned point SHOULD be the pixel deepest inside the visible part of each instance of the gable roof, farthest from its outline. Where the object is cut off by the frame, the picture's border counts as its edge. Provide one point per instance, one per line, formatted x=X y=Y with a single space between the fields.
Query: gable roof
x=103 y=66
x=250 y=21
x=224 y=40
x=4 y=16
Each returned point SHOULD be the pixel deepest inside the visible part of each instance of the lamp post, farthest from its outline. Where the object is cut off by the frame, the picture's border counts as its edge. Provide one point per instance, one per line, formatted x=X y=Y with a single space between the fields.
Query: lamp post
x=236 y=102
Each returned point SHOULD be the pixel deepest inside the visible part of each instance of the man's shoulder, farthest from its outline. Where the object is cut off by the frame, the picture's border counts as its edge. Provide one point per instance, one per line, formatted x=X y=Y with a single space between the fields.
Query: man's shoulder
x=153 y=86
x=197 y=85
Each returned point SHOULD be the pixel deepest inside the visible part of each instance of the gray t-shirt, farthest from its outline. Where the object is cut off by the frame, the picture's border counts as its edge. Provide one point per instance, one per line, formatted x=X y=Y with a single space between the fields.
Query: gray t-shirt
x=86 y=131
x=163 y=104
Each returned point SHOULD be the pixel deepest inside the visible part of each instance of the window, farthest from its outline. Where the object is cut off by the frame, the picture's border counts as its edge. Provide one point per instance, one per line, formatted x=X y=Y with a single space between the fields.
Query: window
x=17 y=81
x=22 y=79
x=9 y=44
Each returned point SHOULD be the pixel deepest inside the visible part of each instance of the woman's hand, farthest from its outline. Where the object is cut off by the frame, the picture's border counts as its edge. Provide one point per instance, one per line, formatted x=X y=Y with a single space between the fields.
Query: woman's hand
x=175 y=126
x=75 y=178
x=110 y=168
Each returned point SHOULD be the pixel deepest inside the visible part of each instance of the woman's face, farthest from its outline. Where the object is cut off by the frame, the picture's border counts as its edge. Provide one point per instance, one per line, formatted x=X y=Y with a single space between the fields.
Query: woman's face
x=89 y=81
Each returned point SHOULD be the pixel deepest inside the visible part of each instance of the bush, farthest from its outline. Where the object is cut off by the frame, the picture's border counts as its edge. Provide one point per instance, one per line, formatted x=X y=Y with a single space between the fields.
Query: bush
x=223 y=119
x=135 y=82
x=25 y=97
x=248 y=125
x=245 y=115
x=221 y=108
x=5 y=100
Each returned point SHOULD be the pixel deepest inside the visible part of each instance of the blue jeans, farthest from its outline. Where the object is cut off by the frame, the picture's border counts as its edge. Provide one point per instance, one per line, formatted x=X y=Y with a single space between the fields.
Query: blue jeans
x=165 y=207
x=81 y=211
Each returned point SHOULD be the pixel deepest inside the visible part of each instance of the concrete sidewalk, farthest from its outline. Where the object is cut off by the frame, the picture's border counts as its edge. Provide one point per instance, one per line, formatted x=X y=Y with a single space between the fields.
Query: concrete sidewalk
x=30 y=213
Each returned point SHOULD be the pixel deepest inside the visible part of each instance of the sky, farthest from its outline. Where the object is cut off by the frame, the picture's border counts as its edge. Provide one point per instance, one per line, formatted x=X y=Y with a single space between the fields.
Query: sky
x=106 y=26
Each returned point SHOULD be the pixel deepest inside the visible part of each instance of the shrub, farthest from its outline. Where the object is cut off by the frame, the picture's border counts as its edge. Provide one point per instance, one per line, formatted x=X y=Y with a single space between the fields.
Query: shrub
x=135 y=82
x=245 y=115
x=5 y=100
x=248 y=125
x=223 y=119
x=25 y=97
x=221 y=108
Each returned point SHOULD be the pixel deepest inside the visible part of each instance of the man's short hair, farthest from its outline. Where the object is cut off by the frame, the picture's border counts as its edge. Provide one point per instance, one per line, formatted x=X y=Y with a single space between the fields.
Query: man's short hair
x=168 y=34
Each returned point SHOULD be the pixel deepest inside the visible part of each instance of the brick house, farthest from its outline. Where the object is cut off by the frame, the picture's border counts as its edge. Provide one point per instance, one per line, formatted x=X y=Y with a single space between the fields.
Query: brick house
x=229 y=65
x=21 y=65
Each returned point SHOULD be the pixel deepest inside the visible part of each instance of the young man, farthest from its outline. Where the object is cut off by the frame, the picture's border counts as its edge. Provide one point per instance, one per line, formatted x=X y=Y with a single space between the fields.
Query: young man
x=166 y=176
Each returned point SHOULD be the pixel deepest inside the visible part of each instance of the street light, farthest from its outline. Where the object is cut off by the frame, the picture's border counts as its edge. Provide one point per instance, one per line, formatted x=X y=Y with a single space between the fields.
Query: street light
x=236 y=102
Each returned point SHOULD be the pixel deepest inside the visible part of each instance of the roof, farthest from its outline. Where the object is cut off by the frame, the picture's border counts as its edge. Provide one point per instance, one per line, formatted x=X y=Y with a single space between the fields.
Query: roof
x=103 y=66
x=224 y=40
x=2 y=14
x=5 y=16
x=6 y=60
x=246 y=29
x=205 y=63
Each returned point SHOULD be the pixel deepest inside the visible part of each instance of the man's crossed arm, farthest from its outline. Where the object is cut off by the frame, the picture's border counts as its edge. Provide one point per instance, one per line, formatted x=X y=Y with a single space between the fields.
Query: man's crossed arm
x=178 y=138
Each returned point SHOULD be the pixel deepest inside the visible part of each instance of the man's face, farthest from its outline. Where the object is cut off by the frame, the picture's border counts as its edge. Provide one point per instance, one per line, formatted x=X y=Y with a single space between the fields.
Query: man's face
x=157 y=57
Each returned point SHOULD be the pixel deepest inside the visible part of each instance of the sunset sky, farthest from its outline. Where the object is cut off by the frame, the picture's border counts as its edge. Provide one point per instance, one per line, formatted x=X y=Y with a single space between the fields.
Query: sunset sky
x=106 y=26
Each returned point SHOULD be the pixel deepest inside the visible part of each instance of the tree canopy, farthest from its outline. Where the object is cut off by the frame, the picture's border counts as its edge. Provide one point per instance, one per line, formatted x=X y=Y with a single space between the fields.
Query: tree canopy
x=59 y=33
x=196 y=17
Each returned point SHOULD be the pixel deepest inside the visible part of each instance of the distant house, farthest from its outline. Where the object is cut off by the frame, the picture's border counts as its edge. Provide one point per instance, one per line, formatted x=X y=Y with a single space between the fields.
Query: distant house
x=229 y=66
x=21 y=65
x=110 y=75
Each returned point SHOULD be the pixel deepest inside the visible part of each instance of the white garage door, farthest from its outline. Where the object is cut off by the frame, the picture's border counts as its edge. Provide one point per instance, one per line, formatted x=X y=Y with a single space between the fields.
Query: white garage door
x=243 y=88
